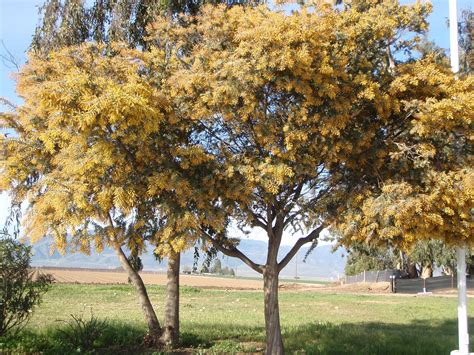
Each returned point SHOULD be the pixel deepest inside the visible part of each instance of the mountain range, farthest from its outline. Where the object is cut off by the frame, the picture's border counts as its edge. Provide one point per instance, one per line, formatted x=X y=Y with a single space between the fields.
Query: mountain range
x=322 y=262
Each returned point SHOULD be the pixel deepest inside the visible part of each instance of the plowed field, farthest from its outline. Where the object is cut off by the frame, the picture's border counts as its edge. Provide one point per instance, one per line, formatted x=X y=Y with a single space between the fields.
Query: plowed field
x=88 y=276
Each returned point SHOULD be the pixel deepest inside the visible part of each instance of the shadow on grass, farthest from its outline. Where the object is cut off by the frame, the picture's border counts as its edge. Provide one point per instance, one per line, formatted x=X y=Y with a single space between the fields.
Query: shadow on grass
x=419 y=337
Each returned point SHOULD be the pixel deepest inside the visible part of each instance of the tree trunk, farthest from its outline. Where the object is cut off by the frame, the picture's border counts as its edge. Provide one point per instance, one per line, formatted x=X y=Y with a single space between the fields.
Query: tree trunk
x=447 y=271
x=170 y=335
x=401 y=265
x=272 y=311
x=427 y=271
x=412 y=271
x=154 y=329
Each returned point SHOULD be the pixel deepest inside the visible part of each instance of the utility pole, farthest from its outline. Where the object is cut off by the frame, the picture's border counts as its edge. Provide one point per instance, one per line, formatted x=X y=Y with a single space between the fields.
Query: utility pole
x=463 y=332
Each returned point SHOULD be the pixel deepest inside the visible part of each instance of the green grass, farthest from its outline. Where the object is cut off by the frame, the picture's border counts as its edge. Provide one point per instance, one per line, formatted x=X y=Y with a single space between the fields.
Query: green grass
x=229 y=321
x=285 y=279
x=304 y=281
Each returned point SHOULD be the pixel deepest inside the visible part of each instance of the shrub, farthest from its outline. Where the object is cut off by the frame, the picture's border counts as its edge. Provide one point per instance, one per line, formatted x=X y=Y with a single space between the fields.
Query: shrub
x=115 y=337
x=82 y=334
x=20 y=289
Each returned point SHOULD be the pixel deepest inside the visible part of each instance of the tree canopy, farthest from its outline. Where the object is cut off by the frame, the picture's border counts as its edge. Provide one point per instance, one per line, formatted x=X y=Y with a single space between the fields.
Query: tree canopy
x=433 y=195
x=308 y=115
x=95 y=124
x=285 y=122
x=72 y=22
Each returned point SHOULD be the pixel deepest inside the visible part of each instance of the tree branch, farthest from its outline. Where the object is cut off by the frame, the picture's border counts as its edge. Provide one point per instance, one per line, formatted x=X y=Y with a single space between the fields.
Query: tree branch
x=258 y=220
x=234 y=252
x=390 y=60
x=292 y=216
x=8 y=59
x=302 y=241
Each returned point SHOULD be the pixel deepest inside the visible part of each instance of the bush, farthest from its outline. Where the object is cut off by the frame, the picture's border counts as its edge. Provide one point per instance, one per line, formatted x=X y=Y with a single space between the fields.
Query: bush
x=115 y=337
x=20 y=290
x=82 y=334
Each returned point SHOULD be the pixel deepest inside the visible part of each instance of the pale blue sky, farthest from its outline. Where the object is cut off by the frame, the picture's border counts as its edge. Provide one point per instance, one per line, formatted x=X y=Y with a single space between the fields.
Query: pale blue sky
x=18 y=19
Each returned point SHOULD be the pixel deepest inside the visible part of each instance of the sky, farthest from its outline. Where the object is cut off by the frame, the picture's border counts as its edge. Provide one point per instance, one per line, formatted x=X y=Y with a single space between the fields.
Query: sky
x=18 y=19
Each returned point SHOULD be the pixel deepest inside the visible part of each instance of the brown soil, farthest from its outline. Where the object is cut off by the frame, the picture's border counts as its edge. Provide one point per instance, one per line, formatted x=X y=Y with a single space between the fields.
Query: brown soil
x=88 y=276
x=379 y=287
x=91 y=276
x=383 y=288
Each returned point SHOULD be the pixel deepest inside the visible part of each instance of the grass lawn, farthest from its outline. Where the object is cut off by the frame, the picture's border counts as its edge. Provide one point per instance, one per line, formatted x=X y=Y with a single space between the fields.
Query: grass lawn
x=282 y=279
x=231 y=321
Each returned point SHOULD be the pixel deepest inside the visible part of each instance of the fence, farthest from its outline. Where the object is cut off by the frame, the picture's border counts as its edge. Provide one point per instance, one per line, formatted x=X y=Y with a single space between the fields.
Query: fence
x=372 y=276
x=431 y=284
x=405 y=285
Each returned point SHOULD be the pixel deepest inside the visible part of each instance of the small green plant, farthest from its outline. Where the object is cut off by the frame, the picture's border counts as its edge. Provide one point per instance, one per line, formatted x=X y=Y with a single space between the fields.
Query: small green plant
x=192 y=340
x=20 y=288
x=82 y=334
x=190 y=290
x=226 y=346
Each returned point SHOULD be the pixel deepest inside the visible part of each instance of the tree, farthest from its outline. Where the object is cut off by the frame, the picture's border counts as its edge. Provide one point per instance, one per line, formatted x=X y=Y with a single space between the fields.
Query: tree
x=419 y=260
x=431 y=197
x=300 y=113
x=362 y=258
x=228 y=271
x=217 y=267
x=20 y=288
x=295 y=121
x=73 y=22
x=466 y=41
x=434 y=203
x=171 y=333
x=135 y=262
x=424 y=254
x=79 y=156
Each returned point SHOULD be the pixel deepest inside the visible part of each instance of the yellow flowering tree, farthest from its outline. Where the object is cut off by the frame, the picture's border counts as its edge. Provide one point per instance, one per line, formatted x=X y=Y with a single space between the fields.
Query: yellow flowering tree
x=72 y=22
x=94 y=132
x=303 y=114
x=432 y=195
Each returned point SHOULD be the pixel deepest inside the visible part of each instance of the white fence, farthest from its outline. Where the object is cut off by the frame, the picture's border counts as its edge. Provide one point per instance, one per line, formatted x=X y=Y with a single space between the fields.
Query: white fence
x=372 y=276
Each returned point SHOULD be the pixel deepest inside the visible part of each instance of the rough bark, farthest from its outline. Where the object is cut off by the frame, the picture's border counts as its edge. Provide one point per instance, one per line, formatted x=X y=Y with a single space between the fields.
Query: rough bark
x=270 y=288
x=170 y=335
x=154 y=328
x=272 y=311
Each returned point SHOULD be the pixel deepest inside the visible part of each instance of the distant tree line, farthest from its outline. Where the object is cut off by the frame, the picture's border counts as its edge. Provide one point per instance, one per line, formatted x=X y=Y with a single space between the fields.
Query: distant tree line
x=420 y=261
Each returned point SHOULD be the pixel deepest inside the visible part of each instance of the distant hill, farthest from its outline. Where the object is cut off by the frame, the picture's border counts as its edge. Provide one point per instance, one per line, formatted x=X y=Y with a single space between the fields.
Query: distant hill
x=321 y=263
